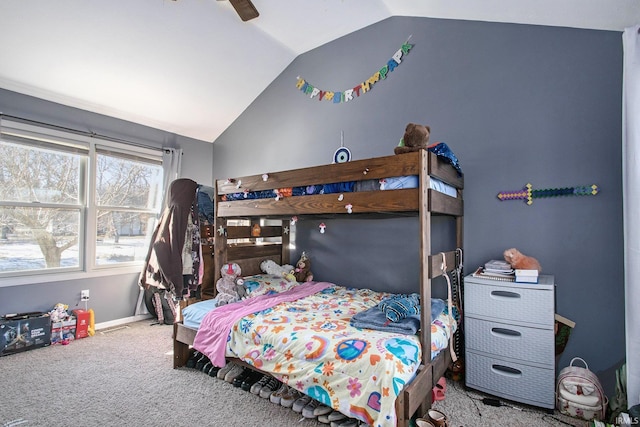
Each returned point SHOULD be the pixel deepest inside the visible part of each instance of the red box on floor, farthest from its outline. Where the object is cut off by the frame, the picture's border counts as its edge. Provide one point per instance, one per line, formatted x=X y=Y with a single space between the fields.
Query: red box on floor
x=82 y=323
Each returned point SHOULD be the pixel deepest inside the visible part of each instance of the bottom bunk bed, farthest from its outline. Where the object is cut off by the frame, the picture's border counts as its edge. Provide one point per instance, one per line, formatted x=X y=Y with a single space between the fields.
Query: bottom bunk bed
x=315 y=337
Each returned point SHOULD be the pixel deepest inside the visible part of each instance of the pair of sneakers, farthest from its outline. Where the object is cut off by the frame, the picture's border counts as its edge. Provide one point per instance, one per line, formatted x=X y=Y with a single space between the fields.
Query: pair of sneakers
x=346 y=422
x=228 y=368
x=314 y=409
x=197 y=361
x=335 y=418
x=299 y=404
x=257 y=386
x=289 y=396
x=193 y=359
x=311 y=408
x=269 y=388
x=276 y=396
x=210 y=369
x=252 y=378
x=265 y=386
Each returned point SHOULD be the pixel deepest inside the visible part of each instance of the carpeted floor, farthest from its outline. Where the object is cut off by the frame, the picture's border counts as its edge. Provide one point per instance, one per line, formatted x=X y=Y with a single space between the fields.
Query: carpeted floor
x=124 y=377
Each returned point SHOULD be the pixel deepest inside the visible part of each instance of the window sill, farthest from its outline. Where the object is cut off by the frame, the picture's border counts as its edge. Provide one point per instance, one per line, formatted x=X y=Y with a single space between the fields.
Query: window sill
x=65 y=277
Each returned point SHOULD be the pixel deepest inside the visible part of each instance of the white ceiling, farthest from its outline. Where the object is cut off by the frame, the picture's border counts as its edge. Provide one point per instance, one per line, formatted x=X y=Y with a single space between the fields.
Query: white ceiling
x=192 y=66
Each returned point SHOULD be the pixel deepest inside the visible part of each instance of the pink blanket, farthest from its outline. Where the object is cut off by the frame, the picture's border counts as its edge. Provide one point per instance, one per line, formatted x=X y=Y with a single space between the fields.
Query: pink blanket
x=211 y=338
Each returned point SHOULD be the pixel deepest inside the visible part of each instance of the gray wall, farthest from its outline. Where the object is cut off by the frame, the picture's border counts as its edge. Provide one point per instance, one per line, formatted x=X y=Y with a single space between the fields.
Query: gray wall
x=517 y=104
x=112 y=297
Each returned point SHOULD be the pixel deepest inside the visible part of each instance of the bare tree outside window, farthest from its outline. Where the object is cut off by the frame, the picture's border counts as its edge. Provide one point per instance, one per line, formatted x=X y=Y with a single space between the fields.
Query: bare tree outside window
x=44 y=204
x=128 y=196
x=28 y=178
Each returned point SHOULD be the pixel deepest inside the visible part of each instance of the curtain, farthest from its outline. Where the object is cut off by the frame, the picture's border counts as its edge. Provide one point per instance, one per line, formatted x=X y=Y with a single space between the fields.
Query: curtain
x=631 y=206
x=172 y=167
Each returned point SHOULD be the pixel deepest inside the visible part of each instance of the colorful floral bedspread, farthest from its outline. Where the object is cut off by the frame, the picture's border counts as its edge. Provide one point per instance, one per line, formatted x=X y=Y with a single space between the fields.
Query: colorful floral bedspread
x=309 y=345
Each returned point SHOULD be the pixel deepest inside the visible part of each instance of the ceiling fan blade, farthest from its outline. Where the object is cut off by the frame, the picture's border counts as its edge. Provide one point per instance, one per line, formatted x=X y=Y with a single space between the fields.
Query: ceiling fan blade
x=246 y=10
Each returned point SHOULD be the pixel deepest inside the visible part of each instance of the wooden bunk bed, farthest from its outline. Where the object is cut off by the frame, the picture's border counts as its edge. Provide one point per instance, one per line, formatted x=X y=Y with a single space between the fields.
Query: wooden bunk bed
x=237 y=243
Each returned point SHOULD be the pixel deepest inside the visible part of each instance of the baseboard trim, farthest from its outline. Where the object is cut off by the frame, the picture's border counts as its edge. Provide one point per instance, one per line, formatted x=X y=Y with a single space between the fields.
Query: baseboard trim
x=123 y=321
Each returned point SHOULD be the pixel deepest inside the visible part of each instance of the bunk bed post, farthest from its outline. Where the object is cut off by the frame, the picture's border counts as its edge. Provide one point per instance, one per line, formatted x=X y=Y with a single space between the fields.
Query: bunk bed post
x=425 y=251
x=460 y=222
x=219 y=241
x=286 y=241
x=426 y=373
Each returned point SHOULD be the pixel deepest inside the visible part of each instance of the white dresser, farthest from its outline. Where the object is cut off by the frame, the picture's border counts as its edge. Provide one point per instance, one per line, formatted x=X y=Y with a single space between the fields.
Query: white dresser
x=509 y=339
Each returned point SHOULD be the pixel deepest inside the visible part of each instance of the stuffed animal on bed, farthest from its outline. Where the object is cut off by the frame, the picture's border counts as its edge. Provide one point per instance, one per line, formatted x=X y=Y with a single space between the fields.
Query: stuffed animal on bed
x=302 y=272
x=416 y=137
x=518 y=260
x=230 y=286
x=272 y=268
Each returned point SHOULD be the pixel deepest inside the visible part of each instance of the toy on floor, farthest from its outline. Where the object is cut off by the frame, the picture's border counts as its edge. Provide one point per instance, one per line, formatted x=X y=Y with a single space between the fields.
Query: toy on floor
x=91 y=330
x=302 y=272
x=520 y=261
x=59 y=313
x=438 y=392
x=455 y=372
x=230 y=286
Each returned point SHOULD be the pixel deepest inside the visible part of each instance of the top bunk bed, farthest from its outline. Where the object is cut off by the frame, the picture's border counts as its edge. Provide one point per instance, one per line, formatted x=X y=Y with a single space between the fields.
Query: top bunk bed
x=273 y=194
x=253 y=215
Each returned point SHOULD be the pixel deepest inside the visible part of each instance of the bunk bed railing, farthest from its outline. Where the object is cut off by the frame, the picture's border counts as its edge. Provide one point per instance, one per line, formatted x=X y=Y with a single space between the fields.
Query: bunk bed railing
x=404 y=200
x=355 y=170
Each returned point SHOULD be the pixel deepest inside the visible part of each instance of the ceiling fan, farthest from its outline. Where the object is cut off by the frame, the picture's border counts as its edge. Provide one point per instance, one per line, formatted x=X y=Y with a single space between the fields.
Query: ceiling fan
x=245 y=9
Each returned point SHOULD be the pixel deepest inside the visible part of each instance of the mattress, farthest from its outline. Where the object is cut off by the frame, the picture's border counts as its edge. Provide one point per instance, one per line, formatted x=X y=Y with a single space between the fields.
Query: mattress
x=392 y=183
x=310 y=344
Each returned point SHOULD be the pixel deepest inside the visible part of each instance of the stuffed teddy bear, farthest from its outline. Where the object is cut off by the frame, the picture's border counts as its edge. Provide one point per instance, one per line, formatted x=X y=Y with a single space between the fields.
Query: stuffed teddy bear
x=416 y=137
x=230 y=286
x=302 y=272
x=518 y=260
x=272 y=268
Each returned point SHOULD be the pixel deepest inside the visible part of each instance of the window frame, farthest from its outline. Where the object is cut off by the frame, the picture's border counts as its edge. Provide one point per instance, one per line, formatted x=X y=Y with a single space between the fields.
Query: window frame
x=38 y=135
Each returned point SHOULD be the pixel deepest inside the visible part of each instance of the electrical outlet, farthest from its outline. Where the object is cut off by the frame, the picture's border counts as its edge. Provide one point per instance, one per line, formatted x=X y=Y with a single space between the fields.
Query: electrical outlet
x=84 y=295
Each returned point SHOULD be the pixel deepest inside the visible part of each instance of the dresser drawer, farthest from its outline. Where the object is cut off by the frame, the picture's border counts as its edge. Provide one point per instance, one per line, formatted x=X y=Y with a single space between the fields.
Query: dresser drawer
x=503 y=303
x=513 y=381
x=516 y=342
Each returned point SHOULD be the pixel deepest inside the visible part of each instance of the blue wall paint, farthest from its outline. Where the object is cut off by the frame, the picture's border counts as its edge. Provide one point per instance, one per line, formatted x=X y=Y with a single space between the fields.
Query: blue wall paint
x=517 y=104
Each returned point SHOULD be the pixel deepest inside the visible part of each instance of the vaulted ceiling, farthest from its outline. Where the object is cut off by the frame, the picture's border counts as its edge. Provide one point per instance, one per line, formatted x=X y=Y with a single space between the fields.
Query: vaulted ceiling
x=191 y=67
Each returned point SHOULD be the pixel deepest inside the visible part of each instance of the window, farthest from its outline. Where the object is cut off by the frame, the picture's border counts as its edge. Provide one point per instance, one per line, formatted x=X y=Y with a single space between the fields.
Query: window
x=128 y=195
x=72 y=202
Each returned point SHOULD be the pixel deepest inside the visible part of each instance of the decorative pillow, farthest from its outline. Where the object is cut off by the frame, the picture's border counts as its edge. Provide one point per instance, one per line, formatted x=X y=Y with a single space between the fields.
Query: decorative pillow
x=262 y=284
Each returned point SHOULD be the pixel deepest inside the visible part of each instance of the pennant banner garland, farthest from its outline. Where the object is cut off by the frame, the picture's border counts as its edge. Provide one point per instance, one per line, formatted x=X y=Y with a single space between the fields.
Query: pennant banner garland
x=364 y=87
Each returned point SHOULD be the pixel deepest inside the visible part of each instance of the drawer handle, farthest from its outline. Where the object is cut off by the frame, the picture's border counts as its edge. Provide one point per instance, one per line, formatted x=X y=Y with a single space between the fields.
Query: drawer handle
x=507 y=333
x=505 y=370
x=504 y=294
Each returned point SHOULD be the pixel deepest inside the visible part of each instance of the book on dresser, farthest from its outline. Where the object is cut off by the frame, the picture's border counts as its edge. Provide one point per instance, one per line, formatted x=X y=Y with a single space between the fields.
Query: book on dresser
x=526 y=276
x=483 y=273
x=498 y=266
